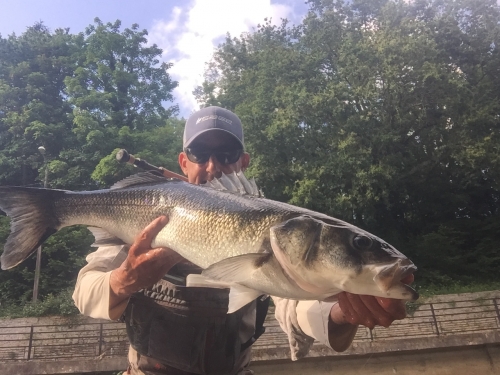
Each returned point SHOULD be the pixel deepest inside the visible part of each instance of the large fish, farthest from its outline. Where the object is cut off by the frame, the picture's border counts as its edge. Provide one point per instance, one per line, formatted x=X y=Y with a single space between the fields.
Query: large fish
x=240 y=239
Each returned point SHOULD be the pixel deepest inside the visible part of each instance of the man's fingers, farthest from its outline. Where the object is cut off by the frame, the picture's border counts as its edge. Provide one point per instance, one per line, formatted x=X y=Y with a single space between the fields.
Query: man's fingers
x=394 y=307
x=346 y=308
x=144 y=239
x=381 y=316
x=365 y=315
x=354 y=313
x=368 y=311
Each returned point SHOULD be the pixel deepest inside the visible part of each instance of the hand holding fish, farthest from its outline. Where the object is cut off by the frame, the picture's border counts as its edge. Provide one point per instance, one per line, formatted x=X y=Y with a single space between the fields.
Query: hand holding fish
x=144 y=266
x=369 y=311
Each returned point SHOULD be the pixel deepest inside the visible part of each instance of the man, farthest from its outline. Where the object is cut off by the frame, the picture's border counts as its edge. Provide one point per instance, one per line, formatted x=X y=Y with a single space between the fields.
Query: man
x=213 y=144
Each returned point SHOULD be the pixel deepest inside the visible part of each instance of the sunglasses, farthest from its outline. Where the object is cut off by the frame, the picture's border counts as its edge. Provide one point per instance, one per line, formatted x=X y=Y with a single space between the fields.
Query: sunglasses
x=223 y=156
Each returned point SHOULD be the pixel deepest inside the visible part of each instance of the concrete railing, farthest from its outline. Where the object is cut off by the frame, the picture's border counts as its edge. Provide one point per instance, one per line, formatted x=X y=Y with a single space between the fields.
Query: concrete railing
x=443 y=321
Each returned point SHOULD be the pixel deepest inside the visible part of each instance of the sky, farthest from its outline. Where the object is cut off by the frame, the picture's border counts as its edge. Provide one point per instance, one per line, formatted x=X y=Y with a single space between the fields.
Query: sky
x=187 y=31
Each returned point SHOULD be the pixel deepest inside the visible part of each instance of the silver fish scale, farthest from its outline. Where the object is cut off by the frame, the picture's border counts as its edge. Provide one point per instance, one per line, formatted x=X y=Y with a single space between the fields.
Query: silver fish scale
x=205 y=225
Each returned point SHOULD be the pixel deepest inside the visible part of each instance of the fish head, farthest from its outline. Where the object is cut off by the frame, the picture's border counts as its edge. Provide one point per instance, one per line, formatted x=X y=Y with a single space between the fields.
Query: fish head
x=325 y=256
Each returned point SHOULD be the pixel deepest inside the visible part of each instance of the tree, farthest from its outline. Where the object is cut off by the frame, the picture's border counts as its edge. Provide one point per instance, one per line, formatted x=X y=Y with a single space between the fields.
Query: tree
x=119 y=84
x=81 y=97
x=33 y=109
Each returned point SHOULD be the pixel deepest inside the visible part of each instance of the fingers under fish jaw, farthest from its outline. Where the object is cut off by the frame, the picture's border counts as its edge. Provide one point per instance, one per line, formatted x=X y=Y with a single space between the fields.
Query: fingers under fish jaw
x=365 y=310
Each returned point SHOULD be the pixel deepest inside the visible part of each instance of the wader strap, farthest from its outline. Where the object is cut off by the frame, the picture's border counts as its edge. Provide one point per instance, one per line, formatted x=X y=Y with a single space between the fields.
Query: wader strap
x=260 y=317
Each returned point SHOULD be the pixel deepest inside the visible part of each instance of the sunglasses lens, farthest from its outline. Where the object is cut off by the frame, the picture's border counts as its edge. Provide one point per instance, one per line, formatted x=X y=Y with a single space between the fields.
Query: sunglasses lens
x=223 y=157
x=196 y=156
x=228 y=157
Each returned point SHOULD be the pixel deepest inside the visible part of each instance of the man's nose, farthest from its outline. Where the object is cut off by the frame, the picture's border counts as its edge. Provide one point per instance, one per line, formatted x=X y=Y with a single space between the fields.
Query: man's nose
x=213 y=166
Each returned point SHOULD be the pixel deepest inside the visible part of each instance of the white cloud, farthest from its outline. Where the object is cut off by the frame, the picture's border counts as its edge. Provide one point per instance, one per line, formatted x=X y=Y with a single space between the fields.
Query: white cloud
x=188 y=38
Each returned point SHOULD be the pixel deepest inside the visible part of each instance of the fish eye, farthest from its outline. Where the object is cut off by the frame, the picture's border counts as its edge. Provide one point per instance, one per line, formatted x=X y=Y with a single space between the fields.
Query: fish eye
x=362 y=242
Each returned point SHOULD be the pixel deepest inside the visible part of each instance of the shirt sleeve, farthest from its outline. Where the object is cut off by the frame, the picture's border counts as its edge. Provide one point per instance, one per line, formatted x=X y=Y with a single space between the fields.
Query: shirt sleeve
x=286 y=315
x=91 y=294
x=307 y=321
x=313 y=317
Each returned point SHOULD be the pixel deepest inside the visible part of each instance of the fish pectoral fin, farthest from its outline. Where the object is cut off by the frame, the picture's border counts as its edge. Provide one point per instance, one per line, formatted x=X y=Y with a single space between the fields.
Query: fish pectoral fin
x=238 y=268
x=104 y=238
x=239 y=295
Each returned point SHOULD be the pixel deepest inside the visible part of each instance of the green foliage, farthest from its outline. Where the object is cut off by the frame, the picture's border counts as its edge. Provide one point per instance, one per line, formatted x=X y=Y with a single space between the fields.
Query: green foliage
x=455 y=287
x=59 y=304
x=82 y=97
x=109 y=171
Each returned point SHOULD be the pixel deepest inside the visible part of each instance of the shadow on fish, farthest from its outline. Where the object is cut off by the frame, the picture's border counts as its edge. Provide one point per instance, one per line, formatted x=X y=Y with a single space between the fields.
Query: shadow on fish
x=242 y=241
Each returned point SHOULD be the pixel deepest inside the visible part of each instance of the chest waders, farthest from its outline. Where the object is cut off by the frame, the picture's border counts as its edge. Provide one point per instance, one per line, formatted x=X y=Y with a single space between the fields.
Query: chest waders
x=181 y=330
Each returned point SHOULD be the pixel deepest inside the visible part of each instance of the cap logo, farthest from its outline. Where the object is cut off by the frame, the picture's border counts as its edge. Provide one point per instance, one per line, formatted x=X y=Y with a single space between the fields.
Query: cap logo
x=213 y=117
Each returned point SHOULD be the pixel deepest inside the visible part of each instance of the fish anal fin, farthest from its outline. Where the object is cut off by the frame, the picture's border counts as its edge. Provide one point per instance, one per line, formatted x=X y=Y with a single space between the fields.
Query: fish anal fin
x=104 y=238
x=238 y=268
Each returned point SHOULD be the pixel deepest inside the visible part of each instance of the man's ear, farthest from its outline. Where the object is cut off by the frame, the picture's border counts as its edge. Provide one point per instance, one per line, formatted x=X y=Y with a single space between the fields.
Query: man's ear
x=183 y=162
x=245 y=161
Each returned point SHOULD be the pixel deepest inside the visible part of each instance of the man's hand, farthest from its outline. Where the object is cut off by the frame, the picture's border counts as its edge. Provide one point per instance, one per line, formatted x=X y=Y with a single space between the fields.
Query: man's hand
x=368 y=310
x=143 y=267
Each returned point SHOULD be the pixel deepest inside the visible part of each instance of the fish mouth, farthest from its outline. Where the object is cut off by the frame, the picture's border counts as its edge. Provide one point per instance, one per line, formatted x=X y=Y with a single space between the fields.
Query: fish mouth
x=388 y=279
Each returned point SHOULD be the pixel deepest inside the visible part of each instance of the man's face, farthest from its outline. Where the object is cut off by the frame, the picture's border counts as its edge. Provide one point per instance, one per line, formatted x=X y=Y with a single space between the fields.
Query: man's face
x=212 y=140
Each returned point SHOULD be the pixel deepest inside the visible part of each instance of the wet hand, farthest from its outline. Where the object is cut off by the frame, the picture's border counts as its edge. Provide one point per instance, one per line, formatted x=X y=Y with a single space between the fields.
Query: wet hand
x=144 y=266
x=368 y=310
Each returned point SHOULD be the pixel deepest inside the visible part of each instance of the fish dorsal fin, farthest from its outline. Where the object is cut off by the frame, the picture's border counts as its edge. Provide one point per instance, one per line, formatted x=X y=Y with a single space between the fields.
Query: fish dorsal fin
x=247 y=185
x=142 y=178
x=228 y=184
x=235 y=183
x=215 y=184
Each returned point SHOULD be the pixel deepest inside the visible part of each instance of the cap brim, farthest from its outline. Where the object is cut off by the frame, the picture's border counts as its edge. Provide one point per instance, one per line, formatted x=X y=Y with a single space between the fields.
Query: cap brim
x=189 y=141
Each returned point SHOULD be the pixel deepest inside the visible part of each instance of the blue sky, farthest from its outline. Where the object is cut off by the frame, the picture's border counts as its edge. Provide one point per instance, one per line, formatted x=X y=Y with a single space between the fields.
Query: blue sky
x=187 y=31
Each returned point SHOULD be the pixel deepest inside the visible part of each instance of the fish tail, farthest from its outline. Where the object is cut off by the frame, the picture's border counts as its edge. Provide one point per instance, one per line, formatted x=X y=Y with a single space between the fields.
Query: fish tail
x=33 y=220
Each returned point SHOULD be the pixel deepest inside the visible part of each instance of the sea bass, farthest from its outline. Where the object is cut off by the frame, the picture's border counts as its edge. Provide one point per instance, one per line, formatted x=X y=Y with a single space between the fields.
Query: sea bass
x=240 y=239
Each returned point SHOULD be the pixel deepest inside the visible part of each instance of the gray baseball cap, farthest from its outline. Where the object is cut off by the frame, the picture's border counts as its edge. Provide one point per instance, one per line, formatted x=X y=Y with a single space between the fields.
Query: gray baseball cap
x=212 y=119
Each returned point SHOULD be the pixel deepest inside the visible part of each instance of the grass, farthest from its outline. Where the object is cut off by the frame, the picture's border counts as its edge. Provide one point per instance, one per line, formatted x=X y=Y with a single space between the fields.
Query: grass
x=456 y=287
x=61 y=304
